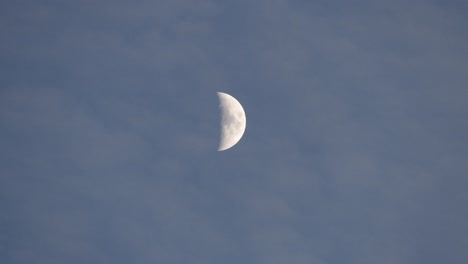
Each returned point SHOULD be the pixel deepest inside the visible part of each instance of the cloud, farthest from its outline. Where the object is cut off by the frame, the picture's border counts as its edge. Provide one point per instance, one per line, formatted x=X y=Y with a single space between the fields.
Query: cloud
x=353 y=153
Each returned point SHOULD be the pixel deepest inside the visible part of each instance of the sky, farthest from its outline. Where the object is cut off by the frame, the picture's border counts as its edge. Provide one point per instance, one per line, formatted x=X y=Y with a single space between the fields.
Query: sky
x=355 y=151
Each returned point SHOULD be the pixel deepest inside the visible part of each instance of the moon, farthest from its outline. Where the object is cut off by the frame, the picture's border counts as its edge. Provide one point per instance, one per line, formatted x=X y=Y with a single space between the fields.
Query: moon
x=233 y=121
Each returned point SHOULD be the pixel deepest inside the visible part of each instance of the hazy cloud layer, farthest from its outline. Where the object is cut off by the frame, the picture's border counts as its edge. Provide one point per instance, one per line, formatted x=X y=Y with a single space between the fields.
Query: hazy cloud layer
x=355 y=149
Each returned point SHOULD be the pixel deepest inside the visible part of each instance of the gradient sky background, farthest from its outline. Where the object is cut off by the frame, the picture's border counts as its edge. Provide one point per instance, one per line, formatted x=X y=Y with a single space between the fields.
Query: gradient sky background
x=355 y=149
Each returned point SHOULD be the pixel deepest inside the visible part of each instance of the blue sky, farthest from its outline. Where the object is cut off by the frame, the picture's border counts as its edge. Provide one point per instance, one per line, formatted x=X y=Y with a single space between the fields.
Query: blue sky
x=355 y=149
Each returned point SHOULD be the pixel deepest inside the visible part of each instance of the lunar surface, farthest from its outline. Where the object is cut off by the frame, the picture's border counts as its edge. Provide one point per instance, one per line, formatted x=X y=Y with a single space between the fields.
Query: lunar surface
x=233 y=121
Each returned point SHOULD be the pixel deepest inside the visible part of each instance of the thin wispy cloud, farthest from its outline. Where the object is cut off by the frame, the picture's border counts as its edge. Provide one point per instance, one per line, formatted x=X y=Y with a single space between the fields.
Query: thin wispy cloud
x=354 y=152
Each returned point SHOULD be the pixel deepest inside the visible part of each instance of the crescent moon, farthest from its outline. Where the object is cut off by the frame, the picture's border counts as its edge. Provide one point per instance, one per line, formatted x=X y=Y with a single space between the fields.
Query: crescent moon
x=233 y=121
